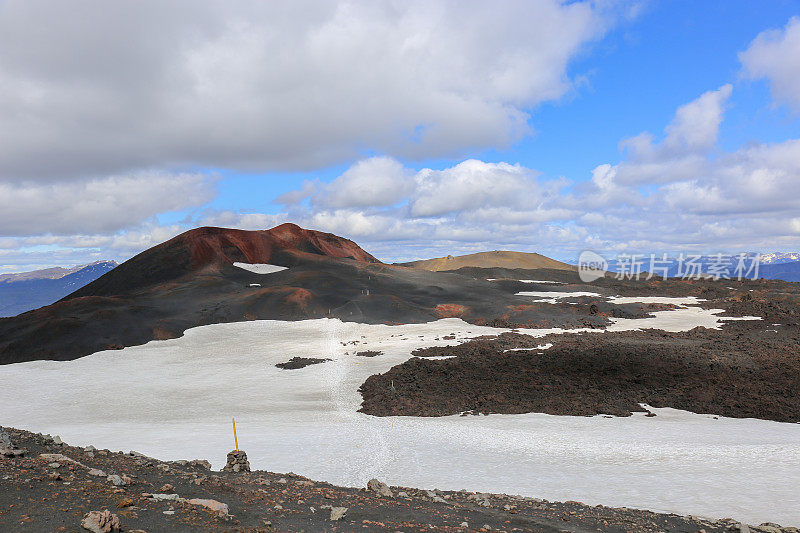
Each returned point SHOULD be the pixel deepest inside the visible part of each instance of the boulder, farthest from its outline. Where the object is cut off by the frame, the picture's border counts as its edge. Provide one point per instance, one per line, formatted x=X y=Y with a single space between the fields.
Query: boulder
x=379 y=487
x=5 y=439
x=100 y=522
x=214 y=505
x=337 y=513
x=7 y=448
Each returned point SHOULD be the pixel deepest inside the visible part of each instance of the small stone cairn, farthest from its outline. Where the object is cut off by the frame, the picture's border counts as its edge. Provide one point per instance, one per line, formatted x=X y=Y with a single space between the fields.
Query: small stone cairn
x=237 y=462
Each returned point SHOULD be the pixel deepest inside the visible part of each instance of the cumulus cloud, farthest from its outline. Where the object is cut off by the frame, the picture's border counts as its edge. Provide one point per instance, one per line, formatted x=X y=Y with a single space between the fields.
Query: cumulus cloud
x=683 y=152
x=95 y=88
x=377 y=181
x=471 y=185
x=679 y=193
x=775 y=55
x=103 y=205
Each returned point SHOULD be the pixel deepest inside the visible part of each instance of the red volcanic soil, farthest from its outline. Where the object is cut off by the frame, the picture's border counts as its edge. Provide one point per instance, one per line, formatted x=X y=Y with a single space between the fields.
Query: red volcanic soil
x=207 y=249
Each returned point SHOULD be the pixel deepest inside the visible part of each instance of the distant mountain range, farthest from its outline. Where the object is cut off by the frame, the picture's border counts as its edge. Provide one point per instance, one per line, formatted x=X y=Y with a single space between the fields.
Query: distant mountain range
x=780 y=257
x=776 y=265
x=24 y=291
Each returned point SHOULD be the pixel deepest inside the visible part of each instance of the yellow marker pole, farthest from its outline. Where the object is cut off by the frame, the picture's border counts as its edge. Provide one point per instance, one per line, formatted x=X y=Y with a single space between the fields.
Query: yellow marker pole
x=235 y=440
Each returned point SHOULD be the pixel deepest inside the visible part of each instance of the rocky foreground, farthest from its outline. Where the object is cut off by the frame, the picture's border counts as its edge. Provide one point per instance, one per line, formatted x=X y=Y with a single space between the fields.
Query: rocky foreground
x=46 y=485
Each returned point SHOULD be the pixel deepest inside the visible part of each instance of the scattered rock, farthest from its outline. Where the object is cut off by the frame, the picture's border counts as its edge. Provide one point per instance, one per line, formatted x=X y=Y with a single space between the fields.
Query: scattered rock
x=100 y=522
x=434 y=497
x=96 y=472
x=7 y=447
x=202 y=463
x=54 y=465
x=57 y=441
x=166 y=487
x=5 y=439
x=237 y=462
x=13 y=452
x=214 y=505
x=337 y=513
x=165 y=497
x=115 y=480
x=127 y=502
x=379 y=487
x=59 y=458
x=482 y=499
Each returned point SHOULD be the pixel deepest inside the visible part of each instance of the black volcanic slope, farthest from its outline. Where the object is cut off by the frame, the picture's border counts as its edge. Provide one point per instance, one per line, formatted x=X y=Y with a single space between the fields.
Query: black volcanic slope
x=190 y=281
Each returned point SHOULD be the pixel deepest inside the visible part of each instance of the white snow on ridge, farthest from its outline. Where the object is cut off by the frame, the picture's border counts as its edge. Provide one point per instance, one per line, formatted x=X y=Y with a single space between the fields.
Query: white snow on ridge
x=557 y=294
x=674 y=300
x=173 y=399
x=531 y=281
x=260 y=268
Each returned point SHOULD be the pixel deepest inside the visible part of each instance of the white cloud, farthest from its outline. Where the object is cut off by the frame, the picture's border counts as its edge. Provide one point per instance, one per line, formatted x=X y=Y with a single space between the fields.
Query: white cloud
x=377 y=181
x=682 y=154
x=775 y=55
x=752 y=180
x=472 y=184
x=681 y=193
x=97 y=206
x=97 y=88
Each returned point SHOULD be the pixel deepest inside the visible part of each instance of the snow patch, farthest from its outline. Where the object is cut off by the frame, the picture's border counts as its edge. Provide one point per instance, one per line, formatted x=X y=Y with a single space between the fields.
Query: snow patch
x=260 y=268
x=163 y=394
x=530 y=281
x=557 y=295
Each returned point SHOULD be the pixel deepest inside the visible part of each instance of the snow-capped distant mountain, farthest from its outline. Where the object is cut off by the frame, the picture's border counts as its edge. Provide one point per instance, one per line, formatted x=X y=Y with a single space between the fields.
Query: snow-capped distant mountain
x=20 y=292
x=779 y=257
x=750 y=265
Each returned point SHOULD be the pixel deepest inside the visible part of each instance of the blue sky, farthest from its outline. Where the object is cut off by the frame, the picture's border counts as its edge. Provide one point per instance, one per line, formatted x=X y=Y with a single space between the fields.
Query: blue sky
x=417 y=130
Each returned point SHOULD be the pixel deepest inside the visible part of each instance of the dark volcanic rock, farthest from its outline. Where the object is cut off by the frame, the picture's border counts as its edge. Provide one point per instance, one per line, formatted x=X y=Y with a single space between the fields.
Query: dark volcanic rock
x=369 y=353
x=300 y=362
x=744 y=370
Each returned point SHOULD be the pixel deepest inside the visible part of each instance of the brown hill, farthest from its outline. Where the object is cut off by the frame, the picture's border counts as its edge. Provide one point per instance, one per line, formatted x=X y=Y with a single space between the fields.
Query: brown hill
x=495 y=259
x=207 y=249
